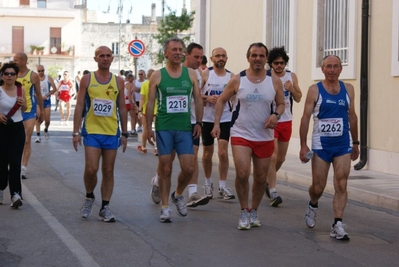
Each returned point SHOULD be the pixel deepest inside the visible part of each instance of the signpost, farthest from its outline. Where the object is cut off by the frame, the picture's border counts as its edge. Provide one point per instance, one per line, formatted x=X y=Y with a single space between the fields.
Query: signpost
x=136 y=48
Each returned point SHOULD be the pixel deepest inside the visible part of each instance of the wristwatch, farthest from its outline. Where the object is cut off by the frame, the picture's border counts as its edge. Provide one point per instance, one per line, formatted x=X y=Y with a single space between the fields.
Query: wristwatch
x=277 y=115
x=199 y=123
x=75 y=134
x=125 y=135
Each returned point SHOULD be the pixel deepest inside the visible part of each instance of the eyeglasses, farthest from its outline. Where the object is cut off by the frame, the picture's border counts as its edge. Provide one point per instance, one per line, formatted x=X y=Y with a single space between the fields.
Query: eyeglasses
x=279 y=63
x=9 y=74
x=65 y=74
x=40 y=70
x=141 y=74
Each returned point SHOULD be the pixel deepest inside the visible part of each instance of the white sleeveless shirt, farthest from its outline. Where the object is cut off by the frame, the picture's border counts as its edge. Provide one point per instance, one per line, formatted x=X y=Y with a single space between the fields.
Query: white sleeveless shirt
x=45 y=86
x=255 y=105
x=6 y=104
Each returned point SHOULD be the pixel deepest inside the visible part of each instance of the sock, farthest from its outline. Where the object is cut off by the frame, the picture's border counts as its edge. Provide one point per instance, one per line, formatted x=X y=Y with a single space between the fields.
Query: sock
x=222 y=183
x=104 y=203
x=192 y=188
x=314 y=205
x=90 y=195
x=45 y=130
x=208 y=181
x=272 y=190
x=38 y=134
x=337 y=220
x=164 y=206
x=176 y=195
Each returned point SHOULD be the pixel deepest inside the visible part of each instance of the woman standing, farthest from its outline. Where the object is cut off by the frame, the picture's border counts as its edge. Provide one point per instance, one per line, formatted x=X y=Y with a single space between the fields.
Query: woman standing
x=12 y=133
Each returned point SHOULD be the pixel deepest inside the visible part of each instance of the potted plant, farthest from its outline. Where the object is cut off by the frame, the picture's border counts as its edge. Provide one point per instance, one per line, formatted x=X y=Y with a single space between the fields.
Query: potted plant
x=33 y=49
x=40 y=49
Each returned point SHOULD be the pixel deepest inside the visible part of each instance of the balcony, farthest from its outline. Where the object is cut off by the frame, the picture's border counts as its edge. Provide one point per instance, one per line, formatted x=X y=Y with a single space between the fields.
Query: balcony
x=38 y=50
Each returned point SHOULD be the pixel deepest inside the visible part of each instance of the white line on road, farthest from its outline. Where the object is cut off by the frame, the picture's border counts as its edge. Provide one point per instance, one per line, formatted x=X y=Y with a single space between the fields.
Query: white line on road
x=74 y=246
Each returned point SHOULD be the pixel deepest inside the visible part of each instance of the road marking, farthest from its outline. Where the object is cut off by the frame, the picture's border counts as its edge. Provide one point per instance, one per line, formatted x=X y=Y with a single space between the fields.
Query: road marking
x=74 y=246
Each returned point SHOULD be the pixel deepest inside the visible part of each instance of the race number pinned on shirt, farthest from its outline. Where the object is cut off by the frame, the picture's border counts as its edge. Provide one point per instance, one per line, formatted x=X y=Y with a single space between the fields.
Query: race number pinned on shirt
x=331 y=127
x=103 y=107
x=177 y=104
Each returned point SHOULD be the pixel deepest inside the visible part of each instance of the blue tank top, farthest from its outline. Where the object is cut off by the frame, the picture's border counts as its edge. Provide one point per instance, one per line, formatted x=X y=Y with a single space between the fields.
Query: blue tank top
x=331 y=119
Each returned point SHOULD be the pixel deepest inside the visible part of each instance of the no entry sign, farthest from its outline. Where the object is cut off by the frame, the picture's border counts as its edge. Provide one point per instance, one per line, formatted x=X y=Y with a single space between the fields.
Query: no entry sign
x=136 y=48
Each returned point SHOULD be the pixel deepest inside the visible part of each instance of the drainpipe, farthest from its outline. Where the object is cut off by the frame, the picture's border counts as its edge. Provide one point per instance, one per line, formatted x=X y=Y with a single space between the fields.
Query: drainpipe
x=364 y=79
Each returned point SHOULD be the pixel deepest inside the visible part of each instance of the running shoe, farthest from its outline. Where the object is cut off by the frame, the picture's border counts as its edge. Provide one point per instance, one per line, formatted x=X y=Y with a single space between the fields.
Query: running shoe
x=66 y=123
x=133 y=133
x=155 y=194
x=38 y=140
x=46 y=135
x=86 y=208
x=1 y=197
x=165 y=215
x=180 y=206
x=196 y=200
x=209 y=190
x=310 y=216
x=226 y=193
x=23 y=172
x=16 y=201
x=105 y=215
x=141 y=149
x=275 y=199
x=243 y=222
x=253 y=218
x=338 y=232
x=139 y=130
x=267 y=190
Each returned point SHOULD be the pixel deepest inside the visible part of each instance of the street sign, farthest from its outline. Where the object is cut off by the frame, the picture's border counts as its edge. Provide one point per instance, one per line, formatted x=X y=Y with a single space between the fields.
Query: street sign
x=136 y=48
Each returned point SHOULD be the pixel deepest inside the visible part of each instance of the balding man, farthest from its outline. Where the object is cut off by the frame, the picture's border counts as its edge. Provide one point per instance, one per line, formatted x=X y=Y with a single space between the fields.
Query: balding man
x=31 y=84
x=47 y=88
x=215 y=79
x=100 y=130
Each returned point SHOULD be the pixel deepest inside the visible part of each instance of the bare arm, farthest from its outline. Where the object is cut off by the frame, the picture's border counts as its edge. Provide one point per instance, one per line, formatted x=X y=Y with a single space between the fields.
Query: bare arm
x=271 y=121
x=122 y=111
x=51 y=81
x=199 y=108
x=152 y=90
x=353 y=120
x=77 y=117
x=294 y=88
x=310 y=101
x=38 y=93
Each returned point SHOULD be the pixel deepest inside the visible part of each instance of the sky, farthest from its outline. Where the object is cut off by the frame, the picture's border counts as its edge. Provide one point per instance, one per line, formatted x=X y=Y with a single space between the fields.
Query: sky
x=139 y=8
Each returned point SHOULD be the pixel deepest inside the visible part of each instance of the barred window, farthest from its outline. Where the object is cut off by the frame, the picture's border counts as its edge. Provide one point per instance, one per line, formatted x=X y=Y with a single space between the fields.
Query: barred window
x=115 y=48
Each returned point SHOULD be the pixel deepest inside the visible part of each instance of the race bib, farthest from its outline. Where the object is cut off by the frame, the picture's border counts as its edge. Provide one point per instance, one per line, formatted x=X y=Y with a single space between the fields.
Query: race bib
x=45 y=90
x=177 y=104
x=331 y=127
x=103 y=107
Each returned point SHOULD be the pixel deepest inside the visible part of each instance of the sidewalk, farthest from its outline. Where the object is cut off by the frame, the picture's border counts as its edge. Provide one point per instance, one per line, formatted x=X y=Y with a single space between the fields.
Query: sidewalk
x=365 y=186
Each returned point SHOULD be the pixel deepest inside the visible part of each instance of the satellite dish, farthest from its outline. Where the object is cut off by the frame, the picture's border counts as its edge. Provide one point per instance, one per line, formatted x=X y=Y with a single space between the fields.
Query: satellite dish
x=53 y=50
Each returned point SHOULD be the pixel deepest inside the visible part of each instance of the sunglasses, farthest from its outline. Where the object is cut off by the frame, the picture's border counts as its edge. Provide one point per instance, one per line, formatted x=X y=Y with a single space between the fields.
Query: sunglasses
x=9 y=74
x=40 y=70
x=279 y=62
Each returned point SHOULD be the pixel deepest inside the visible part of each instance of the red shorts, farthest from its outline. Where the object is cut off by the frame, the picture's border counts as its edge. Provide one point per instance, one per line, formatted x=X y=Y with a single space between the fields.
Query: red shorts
x=283 y=131
x=262 y=149
x=64 y=97
x=128 y=107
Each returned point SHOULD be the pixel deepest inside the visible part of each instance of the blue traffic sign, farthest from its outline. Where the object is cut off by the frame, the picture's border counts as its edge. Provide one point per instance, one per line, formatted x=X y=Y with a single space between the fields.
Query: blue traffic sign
x=136 y=48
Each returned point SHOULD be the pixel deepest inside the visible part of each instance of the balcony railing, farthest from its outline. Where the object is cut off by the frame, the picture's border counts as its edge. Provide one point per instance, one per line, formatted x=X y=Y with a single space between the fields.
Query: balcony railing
x=38 y=50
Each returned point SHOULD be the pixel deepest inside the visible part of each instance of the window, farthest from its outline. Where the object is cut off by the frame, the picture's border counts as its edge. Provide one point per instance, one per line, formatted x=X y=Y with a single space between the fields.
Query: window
x=55 y=40
x=24 y=2
x=115 y=48
x=335 y=34
x=281 y=26
x=395 y=39
x=41 y=3
x=17 y=39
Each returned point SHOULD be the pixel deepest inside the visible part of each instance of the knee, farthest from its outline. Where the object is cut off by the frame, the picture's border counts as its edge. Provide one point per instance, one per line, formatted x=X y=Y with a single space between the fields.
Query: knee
x=223 y=155
x=207 y=154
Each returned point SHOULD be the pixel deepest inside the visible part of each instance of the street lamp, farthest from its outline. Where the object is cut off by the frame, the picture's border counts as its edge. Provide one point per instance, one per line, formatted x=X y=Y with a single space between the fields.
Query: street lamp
x=119 y=12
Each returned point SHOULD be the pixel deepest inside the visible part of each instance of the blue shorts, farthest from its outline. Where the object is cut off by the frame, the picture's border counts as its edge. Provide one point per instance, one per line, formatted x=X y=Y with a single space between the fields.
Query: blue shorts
x=29 y=115
x=47 y=103
x=102 y=141
x=181 y=141
x=328 y=154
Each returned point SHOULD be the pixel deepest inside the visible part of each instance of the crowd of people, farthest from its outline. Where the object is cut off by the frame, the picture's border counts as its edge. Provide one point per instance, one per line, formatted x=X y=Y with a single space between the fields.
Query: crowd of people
x=188 y=101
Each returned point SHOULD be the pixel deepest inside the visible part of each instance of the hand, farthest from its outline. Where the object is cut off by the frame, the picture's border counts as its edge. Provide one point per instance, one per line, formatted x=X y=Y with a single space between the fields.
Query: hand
x=288 y=86
x=271 y=122
x=150 y=136
x=124 y=144
x=197 y=131
x=216 y=131
x=77 y=139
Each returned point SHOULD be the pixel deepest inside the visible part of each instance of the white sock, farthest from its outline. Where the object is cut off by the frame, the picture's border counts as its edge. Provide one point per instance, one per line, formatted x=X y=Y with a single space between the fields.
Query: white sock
x=272 y=190
x=222 y=183
x=208 y=181
x=192 y=188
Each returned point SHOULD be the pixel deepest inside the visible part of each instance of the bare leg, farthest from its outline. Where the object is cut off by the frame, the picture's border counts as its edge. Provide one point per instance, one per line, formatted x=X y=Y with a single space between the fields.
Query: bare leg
x=242 y=161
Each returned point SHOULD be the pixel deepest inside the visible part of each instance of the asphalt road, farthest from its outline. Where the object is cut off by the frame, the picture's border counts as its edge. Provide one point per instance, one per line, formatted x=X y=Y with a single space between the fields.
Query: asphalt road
x=48 y=230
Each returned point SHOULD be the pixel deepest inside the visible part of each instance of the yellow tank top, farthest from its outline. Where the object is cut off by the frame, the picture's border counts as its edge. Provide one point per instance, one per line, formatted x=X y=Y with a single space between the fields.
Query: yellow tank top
x=101 y=105
x=29 y=91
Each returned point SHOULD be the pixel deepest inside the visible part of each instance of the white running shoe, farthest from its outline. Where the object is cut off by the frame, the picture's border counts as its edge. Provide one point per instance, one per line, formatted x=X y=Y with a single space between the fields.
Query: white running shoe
x=165 y=215
x=16 y=201
x=155 y=194
x=310 y=216
x=338 y=232
x=38 y=140
x=243 y=222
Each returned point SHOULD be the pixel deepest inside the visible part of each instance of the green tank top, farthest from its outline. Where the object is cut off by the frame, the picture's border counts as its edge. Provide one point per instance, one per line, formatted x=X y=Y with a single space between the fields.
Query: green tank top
x=174 y=97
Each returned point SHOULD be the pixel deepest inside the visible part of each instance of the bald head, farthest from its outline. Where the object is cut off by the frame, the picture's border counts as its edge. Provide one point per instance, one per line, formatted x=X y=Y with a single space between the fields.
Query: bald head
x=102 y=49
x=20 y=59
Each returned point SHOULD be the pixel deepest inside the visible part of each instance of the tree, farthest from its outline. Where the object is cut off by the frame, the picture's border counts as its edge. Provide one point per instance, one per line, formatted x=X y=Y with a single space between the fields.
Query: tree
x=171 y=26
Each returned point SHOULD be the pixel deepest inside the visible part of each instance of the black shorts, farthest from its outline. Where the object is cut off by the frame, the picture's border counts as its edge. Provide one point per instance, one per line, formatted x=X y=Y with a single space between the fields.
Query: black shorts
x=207 y=138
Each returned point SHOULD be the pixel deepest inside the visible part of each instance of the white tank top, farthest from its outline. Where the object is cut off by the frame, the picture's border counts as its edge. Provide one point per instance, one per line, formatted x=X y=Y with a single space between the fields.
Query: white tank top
x=215 y=86
x=255 y=105
x=137 y=84
x=6 y=104
x=287 y=115
x=45 y=86
x=126 y=92
x=193 y=119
